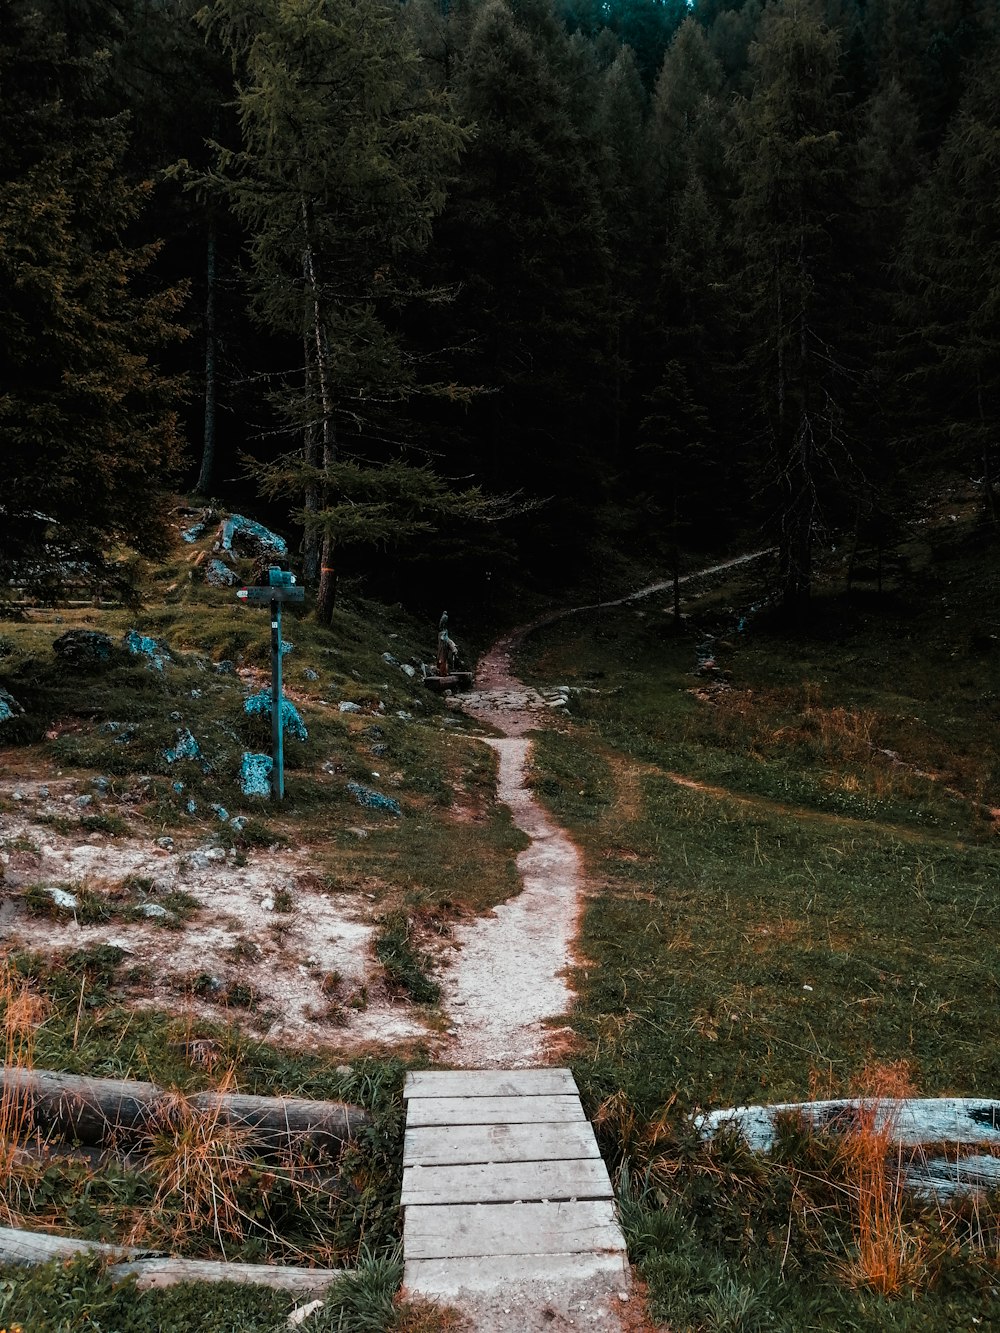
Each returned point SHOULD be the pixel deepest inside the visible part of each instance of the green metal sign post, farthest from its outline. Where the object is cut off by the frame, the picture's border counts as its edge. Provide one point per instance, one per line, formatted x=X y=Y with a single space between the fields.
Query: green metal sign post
x=280 y=588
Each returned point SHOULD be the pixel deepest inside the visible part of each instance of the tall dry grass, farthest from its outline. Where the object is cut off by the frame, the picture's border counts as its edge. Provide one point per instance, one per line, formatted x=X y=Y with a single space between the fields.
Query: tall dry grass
x=887 y=1256
x=22 y=1011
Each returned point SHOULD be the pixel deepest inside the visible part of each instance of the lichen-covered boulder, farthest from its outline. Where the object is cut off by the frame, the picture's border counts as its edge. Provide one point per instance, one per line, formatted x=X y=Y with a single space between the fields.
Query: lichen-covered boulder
x=140 y=645
x=86 y=649
x=373 y=800
x=255 y=775
x=9 y=707
x=244 y=536
x=219 y=575
x=185 y=748
x=260 y=705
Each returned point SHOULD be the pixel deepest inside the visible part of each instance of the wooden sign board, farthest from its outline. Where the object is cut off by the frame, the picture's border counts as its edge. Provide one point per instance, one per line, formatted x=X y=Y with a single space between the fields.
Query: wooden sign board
x=265 y=596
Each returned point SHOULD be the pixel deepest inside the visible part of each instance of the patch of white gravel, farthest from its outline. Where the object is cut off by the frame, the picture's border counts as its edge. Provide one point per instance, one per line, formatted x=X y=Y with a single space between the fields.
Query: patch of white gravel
x=292 y=951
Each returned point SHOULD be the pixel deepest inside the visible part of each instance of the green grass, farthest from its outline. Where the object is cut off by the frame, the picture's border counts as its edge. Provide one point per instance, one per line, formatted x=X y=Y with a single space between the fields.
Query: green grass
x=807 y=908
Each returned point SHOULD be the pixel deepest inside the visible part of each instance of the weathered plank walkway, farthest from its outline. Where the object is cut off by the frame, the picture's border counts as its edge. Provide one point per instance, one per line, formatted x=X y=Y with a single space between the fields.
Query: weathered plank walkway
x=503 y=1182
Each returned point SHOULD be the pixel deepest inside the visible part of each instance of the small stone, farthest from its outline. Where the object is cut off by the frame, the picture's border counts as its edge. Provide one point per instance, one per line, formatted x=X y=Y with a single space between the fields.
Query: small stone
x=43 y=793
x=61 y=898
x=807 y=987
x=215 y=854
x=154 y=911
x=267 y=904
x=225 y=667
x=404 y=716
x=101 y=785
x=346 y=706
x=83 y=801
x=407 y=669
x=360 y=833
x=309 y=674
x=17 y=794
x=166 y=843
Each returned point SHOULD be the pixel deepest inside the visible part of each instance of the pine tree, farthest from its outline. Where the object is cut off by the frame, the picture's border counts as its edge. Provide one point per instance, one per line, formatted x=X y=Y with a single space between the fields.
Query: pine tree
x=523 y=239
x=340 y=175
x=794 y=223
x=949 y=304
x=88 y=420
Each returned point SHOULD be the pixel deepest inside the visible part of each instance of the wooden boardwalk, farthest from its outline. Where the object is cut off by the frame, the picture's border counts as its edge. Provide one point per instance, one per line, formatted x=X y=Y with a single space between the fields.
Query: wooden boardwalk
x=503 y=1182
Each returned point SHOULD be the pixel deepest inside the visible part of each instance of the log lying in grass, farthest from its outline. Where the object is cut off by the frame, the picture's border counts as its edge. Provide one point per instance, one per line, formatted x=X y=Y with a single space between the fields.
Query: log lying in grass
x=153 y=1269
x=150 y=1273
x=911 y=1123
x=97 y=1110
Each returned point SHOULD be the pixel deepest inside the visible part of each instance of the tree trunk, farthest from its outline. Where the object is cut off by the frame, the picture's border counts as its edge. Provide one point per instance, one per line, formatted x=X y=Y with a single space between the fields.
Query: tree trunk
x=310 y=538
x=208 y=443
x=988 y=496
x=152 y=1270
x=326 y=594
x=94 y=1110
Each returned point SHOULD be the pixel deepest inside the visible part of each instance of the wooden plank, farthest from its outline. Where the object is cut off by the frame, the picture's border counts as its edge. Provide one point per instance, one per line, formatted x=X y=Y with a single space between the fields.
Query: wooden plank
x=460 y=1144
x=489 y=1083
x=493 y=1110
x=468 y=1230
x=449 y=1277
x=506 y=1182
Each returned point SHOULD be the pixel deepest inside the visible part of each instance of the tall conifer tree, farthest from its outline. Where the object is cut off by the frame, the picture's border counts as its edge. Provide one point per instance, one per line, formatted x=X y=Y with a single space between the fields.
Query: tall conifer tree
x=87 y=419
x=341 y=173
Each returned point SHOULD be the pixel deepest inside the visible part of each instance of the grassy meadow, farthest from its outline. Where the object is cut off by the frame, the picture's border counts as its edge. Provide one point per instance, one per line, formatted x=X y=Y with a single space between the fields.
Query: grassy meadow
x=794 y=862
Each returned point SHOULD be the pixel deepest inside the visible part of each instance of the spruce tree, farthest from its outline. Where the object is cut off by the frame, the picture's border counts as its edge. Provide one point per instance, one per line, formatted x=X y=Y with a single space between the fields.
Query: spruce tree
x=87 y=418
x=341 y=171
x=949 y=305
x=523 y=239
x=794 y=232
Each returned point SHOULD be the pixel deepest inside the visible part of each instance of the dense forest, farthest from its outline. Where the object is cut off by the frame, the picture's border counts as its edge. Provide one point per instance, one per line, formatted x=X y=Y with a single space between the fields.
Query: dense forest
x=494 y=282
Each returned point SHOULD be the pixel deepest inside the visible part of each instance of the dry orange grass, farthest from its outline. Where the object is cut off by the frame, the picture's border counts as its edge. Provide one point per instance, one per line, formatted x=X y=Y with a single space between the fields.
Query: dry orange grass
x=886 y=1257
x=199 y=1160
x=23 y=1010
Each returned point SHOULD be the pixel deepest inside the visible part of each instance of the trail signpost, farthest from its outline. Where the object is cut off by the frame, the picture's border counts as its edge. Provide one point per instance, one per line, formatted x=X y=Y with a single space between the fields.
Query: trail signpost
x=281 y=588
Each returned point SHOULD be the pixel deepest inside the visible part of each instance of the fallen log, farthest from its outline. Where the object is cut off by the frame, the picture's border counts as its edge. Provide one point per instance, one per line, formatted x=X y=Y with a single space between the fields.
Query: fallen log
x=154 y=1273
x=918 y=1126
x=98 y=1110
x=151 y=1268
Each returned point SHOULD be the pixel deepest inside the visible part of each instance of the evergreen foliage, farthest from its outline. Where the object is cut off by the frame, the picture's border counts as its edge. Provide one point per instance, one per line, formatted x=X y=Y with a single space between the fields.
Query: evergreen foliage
x=671 y=273
x=339 y=176
x=88 y=419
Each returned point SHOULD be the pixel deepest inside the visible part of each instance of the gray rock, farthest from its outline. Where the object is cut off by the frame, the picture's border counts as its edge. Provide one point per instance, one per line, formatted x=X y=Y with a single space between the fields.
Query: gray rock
x=154 y=911
x=88 y=649
x=345 y=706
x=9 y=707
x=62 y=898
x=84 y=801
x=225 y=667
x=407 y=669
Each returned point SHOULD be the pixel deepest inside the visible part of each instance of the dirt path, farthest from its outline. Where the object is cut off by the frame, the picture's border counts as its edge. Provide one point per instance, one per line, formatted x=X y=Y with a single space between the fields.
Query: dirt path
x=507 y=988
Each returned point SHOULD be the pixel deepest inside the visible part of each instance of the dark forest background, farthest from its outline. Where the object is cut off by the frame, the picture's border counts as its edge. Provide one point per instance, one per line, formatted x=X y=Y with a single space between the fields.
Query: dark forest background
x=494 y=289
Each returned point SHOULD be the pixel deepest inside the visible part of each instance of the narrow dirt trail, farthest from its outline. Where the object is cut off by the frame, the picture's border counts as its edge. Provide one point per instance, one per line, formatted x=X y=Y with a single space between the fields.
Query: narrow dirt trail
x=508 y=985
